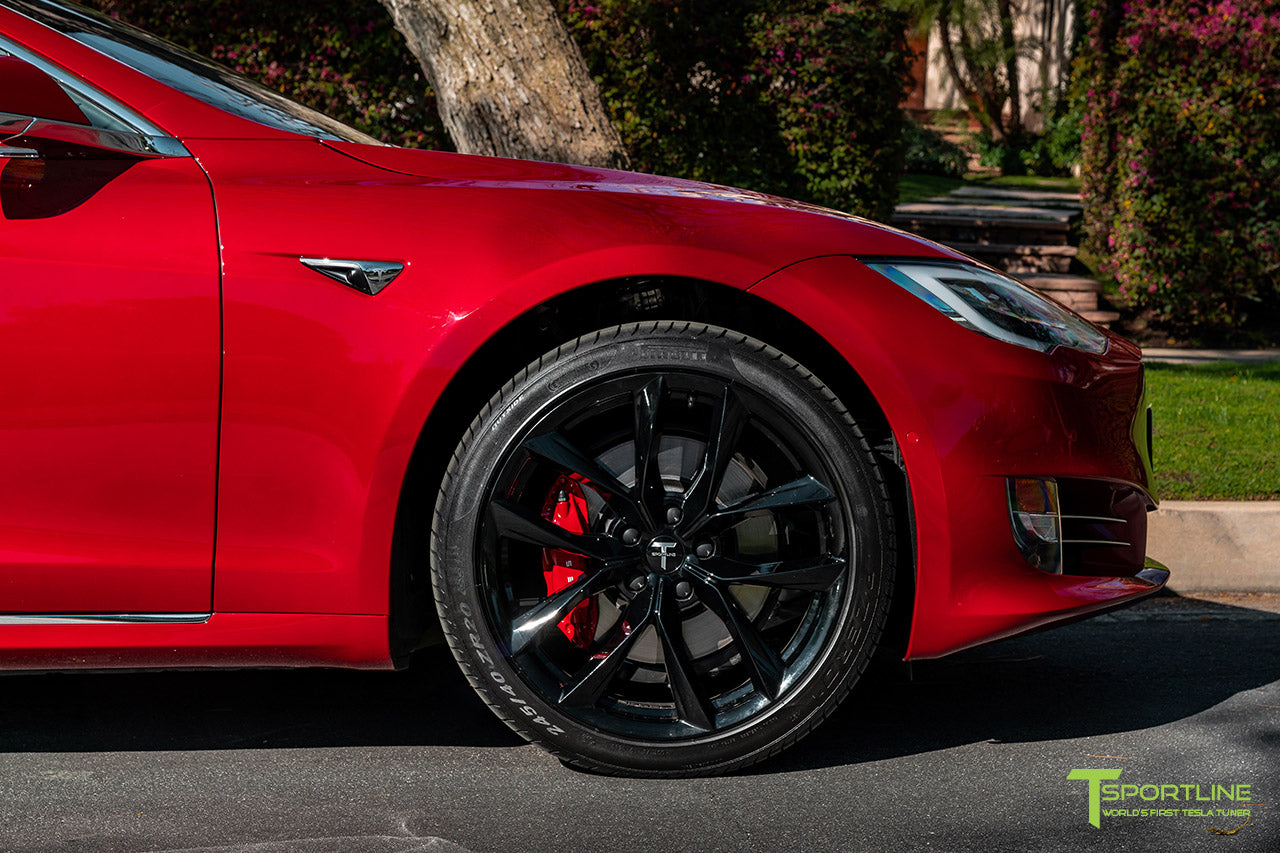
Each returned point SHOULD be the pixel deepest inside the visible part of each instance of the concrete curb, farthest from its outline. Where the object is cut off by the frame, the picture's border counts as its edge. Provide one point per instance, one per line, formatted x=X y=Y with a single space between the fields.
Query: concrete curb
x=1166 y=355
x=1218 y=545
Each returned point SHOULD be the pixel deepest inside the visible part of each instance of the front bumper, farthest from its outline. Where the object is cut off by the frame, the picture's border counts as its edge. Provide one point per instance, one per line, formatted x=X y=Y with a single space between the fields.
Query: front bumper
x=968 y=413
x=1154 y=573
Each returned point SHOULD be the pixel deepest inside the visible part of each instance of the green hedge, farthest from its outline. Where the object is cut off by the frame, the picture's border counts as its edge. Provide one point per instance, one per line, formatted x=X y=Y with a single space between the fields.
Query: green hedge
x=796 y=98
x=1181 y=155
x=341 y=57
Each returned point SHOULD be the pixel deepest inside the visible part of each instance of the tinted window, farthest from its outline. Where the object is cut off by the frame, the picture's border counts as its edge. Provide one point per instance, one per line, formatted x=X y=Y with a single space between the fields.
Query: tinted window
x=185 y=71
x=90 y=112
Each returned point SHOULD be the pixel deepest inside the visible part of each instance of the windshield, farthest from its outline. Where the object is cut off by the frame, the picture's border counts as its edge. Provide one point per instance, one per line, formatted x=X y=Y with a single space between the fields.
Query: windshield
x=185 y=71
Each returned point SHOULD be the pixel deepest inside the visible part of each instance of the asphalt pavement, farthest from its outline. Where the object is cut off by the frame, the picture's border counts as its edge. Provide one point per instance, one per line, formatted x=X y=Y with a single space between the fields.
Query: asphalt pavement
x=972 y=753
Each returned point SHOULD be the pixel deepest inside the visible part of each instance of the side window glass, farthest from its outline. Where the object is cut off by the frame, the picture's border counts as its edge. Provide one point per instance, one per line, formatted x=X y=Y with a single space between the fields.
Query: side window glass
x=27 y=90
x=95 y=115
x=59 y=145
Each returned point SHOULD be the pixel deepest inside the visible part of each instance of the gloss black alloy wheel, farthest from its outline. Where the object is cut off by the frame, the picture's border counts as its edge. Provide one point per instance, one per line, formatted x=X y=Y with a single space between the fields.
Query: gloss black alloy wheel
x=663 y=549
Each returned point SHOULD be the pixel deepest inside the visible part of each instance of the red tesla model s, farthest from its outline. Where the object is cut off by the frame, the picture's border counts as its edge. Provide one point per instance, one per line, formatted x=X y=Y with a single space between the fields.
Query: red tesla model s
x=663 y=462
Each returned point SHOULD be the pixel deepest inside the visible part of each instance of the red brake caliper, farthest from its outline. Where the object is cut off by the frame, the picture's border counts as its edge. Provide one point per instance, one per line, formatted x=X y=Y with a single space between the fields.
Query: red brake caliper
x=566 y=507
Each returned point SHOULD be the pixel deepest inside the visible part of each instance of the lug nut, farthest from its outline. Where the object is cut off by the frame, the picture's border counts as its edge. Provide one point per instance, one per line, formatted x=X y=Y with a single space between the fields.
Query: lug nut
x=674 y=514
x=638 y=583
x=630 y=536
x=705 y=550
x=684 y=591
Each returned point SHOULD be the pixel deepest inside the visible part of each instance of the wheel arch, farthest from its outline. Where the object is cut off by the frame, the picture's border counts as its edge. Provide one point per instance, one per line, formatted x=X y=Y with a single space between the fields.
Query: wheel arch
x=575 y=312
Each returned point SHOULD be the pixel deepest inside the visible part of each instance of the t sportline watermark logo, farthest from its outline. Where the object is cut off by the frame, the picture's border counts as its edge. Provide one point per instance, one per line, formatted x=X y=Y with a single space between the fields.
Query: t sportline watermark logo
x=1110 y=798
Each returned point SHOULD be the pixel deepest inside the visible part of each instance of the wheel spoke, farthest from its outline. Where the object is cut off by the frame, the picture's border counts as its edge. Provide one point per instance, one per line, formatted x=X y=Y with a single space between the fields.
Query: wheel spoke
x=515 y=522
x=590 y=683
x=728 y=422
x=526 y=627
x=649 y=489
x=691 y=707
x=799 y=492
x=763 y=665
x=563 y=453
x=816 y=574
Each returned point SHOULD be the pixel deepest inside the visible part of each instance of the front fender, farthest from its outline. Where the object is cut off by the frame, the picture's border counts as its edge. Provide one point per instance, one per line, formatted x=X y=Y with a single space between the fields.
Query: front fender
x=326 y=390
x=967 y=412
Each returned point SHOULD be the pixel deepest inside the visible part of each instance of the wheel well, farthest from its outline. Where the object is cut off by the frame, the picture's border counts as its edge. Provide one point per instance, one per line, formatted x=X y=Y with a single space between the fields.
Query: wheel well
x=585 y=309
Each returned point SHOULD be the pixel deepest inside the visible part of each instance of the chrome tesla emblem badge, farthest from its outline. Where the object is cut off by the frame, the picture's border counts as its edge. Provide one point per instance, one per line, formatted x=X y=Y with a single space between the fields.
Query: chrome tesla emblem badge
x=365 y=276
x=663 y=550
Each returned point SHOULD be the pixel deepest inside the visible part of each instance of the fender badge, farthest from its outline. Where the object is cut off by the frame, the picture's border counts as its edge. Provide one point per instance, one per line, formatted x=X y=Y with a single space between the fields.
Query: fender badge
x=365 y=276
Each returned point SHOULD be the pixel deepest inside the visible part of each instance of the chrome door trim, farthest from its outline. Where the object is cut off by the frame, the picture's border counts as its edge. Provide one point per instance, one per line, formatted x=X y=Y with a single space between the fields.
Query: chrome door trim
x=152 y=137
x=103 y=618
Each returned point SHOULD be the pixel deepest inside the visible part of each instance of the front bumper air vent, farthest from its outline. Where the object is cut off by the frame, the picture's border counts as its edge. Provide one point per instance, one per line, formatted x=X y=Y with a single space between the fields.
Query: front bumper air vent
x=1078 y=526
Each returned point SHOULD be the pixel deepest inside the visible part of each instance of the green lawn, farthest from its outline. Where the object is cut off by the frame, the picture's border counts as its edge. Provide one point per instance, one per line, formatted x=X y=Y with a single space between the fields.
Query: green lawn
x=1032 y=182
x=921 y=187
x=1217 y=431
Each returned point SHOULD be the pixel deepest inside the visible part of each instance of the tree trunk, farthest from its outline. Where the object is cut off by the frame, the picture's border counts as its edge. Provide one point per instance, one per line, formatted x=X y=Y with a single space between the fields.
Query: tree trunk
x=1014 y=128
x=965 y=89
x=509 y=79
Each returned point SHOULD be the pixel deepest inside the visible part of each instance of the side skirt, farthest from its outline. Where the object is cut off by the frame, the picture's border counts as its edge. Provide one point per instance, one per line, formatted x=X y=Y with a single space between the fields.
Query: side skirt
x=181 y=640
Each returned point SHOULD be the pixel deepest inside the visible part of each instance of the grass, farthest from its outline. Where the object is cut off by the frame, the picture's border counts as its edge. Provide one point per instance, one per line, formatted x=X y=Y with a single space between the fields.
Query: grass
x=1217 y=431
x=920 y=187
x=1033 y=182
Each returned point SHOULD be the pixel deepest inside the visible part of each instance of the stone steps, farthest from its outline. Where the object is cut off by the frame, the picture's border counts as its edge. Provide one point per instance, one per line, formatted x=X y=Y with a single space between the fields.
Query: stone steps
x=1077 y=292
x=1019 y=258
x=955 y=208
x=992 y=231
x=1100 y=317
x=950 y=222
x=1032 y=197
x=1077 y=299
x=1027 y=232
x=1057 y=282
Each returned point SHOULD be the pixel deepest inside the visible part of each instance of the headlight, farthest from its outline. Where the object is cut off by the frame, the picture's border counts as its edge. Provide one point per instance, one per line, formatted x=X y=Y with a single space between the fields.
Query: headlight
x=993 y=304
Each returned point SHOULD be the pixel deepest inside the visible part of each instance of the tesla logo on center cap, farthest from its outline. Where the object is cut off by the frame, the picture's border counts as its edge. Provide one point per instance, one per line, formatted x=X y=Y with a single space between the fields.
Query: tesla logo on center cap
x=365 y=276
x=662 y=550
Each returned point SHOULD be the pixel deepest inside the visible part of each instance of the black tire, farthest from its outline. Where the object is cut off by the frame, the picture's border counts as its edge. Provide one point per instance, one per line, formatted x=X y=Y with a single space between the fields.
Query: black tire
x=624 y=648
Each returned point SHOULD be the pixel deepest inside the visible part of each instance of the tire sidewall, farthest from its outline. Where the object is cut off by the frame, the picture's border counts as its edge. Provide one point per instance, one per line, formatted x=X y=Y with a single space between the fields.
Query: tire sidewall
x=504 y=424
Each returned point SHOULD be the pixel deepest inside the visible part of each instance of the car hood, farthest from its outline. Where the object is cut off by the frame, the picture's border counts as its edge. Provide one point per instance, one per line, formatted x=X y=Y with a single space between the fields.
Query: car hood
x=508 y=173
x=831 y=232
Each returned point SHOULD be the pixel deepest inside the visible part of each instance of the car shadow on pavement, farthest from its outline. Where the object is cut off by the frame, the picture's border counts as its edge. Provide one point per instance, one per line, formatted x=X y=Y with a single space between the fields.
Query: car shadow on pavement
x=1132 y=670
x=1115 y=673
x=430 y=704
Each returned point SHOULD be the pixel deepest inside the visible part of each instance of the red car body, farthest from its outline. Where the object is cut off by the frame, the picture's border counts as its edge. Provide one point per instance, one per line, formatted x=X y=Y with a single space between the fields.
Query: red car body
x=206 y=445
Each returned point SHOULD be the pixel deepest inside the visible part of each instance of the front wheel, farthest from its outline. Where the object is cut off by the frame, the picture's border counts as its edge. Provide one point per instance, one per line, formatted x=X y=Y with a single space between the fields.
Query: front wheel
x=663 y=549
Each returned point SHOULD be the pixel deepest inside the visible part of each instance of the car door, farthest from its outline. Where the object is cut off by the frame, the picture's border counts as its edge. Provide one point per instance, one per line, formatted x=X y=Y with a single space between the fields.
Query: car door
x=109 y=356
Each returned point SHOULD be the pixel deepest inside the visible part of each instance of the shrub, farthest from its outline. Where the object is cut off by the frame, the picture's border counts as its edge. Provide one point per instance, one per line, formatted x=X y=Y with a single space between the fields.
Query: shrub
x=341 y=57
x=1051 y=153
x=795 y=97
x=1003 y=154
x=927 y=153
x=1056 y=151
x=675 y=81
x=835 y=76
x=1181 y=154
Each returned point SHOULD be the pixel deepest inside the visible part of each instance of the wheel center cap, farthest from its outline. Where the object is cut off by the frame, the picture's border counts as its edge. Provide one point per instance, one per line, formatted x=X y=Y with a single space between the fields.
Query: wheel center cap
x=664 y=554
